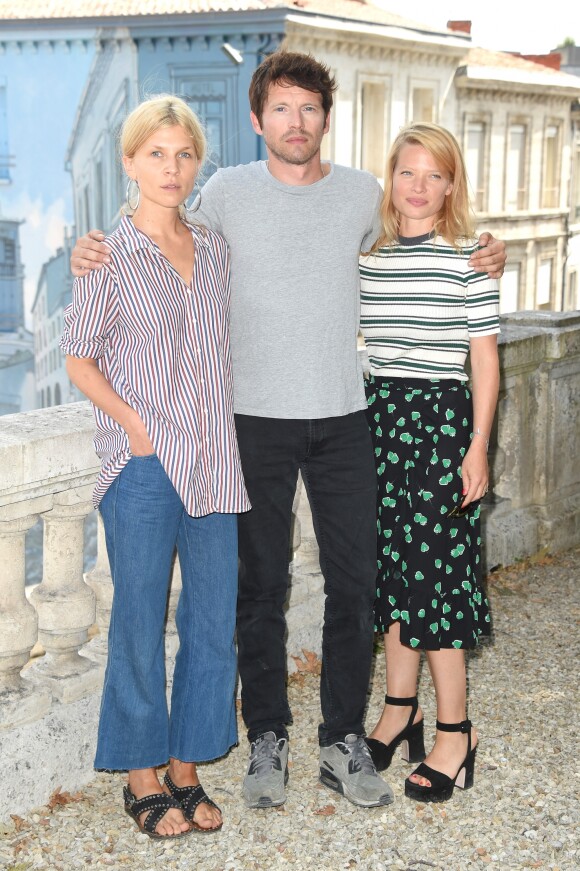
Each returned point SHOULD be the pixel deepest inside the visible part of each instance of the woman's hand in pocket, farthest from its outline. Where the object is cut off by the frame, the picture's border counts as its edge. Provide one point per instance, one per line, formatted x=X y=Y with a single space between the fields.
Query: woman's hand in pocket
x=139 y=442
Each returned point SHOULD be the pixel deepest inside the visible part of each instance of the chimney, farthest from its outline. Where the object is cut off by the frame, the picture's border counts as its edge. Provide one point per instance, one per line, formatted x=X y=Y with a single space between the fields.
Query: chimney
x=552 y=60
x=459 y=26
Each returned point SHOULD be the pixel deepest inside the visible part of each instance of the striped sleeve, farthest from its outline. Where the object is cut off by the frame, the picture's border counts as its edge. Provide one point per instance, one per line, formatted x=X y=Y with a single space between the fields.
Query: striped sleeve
x=482 y=304
x=90 y=318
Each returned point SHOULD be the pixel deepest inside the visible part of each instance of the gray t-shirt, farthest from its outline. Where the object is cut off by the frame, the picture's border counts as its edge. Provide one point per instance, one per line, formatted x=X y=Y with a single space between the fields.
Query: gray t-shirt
x=295 y=286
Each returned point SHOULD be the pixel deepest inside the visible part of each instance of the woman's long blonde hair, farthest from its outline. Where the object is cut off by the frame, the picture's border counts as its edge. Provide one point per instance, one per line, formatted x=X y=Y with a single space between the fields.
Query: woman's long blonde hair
x=456 y=222
x=162 y=110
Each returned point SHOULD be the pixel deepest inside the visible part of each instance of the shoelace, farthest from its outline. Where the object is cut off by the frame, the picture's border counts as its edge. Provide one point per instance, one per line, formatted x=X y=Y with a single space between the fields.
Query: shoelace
x=360 y=757
x=265 y=756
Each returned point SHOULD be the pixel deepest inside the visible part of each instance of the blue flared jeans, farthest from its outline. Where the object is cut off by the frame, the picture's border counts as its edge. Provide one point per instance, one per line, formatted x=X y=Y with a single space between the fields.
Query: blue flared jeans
x=145 y=521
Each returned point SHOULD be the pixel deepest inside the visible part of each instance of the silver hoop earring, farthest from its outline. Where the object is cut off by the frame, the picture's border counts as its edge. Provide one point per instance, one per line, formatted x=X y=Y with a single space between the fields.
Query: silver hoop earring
x=133 y=205
x=194 y=200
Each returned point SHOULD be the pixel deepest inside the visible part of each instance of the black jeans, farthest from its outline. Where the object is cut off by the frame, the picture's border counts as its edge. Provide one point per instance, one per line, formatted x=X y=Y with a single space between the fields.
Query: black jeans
x=335 y=458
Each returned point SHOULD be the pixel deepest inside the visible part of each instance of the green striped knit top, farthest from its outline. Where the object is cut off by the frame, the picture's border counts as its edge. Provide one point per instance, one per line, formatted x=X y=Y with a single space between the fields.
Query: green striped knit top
x=421 y=303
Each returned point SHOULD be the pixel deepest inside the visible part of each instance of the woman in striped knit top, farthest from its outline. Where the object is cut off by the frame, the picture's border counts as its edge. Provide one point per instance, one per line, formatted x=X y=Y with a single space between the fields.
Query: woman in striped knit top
x=147 y=341
x=423 y=310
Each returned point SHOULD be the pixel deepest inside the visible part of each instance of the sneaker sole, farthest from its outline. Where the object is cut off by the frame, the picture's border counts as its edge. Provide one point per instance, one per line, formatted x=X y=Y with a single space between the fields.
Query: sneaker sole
x=264 y=801
x=332 y=782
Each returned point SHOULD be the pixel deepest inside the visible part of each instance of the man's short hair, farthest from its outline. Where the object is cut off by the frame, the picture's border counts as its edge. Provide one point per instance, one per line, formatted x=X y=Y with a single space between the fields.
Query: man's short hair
x=291 y=68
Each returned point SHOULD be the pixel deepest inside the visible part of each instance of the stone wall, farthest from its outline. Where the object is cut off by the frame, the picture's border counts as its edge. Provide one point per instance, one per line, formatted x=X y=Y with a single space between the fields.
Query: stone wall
x=49 y=704
x=535 y=451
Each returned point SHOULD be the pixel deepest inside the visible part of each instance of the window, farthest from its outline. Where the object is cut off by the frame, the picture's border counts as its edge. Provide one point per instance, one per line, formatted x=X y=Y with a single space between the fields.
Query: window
x=209 y=98
x=515 y=169
x=509 y=289
x=5 y=162
x=99 y=197
x=87 y=208
x=475 y=161
x=9 y=252
x=576 y=202
x=544 y=283
x=48 y=399
x=373 y=103
x=573 y=292
x=57 y=396
x=119 y=179
x=423 y=104
x=327 y=147
x=550 y=187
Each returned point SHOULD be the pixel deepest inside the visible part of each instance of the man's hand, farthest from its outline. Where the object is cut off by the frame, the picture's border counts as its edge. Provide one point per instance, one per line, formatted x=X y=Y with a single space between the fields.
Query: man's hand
x=89 y=253
x=491 y=258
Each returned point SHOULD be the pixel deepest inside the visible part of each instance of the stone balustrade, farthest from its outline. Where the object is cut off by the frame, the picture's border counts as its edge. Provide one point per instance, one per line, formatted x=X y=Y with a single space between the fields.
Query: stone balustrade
x=49 y=704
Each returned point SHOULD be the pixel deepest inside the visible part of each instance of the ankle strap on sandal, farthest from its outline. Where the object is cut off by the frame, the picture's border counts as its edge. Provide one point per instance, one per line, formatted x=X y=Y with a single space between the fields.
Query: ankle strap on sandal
x=392 y=700
x=412 y=701
x=465 y=726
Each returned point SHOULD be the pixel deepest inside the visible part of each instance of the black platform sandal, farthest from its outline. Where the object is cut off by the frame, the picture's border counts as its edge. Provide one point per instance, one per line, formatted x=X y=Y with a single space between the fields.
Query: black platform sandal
x=157 y=804
x=189 y=797
x=410 y=738
x=442 y=786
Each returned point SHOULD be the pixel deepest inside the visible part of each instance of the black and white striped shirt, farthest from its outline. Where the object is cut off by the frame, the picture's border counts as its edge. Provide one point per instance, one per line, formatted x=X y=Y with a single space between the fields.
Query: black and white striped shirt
x=421 y=303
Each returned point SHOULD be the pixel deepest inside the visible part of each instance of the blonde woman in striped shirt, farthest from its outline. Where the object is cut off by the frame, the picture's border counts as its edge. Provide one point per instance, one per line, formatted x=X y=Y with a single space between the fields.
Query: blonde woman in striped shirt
x=423 y=310
x=147 y=341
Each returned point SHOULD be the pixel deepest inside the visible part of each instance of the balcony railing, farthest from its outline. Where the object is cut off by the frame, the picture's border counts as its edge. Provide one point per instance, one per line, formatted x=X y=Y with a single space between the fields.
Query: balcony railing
x=53 y=643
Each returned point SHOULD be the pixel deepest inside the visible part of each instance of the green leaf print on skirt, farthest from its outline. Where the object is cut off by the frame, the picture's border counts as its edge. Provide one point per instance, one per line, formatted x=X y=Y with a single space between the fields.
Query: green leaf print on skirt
x=429 y=570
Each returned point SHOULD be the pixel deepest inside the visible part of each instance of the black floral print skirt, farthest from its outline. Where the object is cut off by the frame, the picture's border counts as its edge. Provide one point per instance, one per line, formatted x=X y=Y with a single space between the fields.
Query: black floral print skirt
x=429 y=563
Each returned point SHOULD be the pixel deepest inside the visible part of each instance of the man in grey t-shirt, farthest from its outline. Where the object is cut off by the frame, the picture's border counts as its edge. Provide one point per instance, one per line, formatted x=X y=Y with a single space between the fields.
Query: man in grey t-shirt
x=295 y=227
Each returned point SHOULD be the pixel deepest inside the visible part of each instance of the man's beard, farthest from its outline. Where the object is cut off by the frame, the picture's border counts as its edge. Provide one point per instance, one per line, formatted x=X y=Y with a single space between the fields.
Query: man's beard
x=287 y=155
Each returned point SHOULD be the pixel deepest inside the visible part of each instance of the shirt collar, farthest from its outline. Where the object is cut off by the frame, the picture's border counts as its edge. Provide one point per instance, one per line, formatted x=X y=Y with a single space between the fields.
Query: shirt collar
x=136 y=240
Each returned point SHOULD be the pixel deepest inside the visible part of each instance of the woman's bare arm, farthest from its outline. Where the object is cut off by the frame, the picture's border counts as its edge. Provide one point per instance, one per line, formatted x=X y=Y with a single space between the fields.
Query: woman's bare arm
x=86 y=375
x=485 y=384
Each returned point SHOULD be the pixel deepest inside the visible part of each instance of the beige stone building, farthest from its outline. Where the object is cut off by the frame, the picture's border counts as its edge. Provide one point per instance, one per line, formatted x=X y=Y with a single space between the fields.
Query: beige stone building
x=515 y=119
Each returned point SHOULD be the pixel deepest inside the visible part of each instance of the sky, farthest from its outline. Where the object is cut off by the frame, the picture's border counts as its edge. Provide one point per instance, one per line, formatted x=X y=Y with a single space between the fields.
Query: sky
x=502 y=25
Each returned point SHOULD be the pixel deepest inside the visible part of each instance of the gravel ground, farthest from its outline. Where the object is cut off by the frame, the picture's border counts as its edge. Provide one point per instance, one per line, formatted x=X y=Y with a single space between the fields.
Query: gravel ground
x=523 y=811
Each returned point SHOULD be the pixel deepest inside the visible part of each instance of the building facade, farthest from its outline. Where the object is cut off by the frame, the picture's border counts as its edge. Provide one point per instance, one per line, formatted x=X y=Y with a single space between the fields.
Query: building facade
x=511 y=115
x=11 y=277
x=514 y=122
x=514 y=118
x=16 y=347
x=53 y=294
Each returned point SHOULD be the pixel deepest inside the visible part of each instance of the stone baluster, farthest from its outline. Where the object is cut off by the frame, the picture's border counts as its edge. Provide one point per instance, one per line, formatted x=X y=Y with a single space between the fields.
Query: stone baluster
x=305 y=614
x=304 y=544
x=19 y=702
x=171 y=637
x=64 y=602
x=100 y=581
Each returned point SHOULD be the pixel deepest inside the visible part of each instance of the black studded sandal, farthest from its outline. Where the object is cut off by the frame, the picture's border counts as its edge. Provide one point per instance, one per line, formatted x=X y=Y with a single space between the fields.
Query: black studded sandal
x=189 y=797
x=157 y=804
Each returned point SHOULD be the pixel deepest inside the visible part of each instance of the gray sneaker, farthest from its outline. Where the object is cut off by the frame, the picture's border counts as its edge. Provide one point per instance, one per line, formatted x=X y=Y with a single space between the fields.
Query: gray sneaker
x=267 y=773
x=347 y=767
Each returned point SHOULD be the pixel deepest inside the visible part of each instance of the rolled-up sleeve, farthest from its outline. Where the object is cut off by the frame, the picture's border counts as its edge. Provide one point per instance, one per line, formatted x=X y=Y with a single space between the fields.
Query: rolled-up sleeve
x=90 y=318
